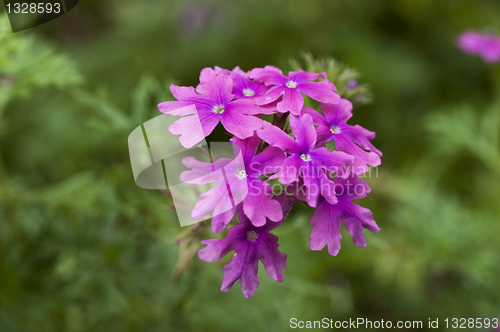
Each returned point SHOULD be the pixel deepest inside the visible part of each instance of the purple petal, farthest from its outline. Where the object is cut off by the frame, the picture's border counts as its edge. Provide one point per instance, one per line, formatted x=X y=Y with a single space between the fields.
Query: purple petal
x=268 y=161
x=361 y=157
x=290 y=169
x=337 y=114
x=221 y=220
x=332 y=161
x=269 y=75
x=259 y=205
x=216 y=200
x=318 y=119
x=351 y=188
x=325 y=223
x=321 y=91
x=292 y=102
x=216 y=249
x=362 y=138
x=270 y=96
x=217 y=86
x=325 y=135
x=240 y=125
x=247 y=106
x=311 y=182
x=272 y=259
x=248 y=147
x=303 y=76
x=278 y=138
x=194 y=128
x=303 y=129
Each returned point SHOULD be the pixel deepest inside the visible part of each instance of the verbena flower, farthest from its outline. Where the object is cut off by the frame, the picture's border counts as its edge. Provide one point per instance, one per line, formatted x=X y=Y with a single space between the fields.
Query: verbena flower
x=297 y=156
x=212 y=102
x=250 y=244
x=304 y=159
x=485 y=45
x=292 y=87
x=353 y=140
x=325 y=221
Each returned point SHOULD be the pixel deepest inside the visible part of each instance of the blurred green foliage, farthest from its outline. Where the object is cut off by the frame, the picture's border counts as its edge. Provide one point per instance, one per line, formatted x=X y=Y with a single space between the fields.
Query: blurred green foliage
x=82 y=248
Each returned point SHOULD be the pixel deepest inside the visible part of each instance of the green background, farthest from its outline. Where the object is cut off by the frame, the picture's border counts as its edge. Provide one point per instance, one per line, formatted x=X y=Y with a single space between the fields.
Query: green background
x=82 y=248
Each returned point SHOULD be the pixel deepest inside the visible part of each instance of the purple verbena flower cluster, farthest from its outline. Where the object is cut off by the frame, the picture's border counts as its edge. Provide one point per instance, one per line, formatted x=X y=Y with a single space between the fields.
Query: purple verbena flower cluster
x=487 y=46
x=290 y=153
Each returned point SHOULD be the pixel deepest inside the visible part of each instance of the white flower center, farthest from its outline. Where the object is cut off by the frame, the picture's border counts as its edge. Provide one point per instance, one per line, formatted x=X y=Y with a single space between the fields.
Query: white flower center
x=291 y=84
x=335 y=130
x=241 y=174
x=248 y=92
x=219 y=109
x=252 y=235
x=305 y=157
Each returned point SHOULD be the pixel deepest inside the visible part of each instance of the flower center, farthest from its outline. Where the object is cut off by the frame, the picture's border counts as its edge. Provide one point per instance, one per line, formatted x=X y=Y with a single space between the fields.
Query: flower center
x=291 y=84
x=248 y=92
x=305 y=157
x=219 y=109
x=241 y=174
x=335 y=130
x=252 y=235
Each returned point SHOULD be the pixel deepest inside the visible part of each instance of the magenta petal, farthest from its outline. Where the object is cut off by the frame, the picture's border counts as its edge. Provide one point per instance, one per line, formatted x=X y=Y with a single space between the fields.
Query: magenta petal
x=270 y=96
x=278 y=138
x=246 y=106
x=332 y=161
x=362 y=138
x=193 y=129
x=290 y=169
x=303 y=76
x=221 y=220
x=320 y=91
x=351 y=188
x=337 y=114
x=268 y=161
x=181 y=108
x=272 y=259
x=216 y=200
x=231 y=272
x=325 y=223
x=259 y=205
x=218 y=248
x=364 y=215
x=269 y=75
x=240 y=125
x=303 y=129
x=325 y=135
x=249 y=280
x=203 y=173
x=311 y=182
x=292 y=102
x=217 y=86
x=328 y=188
x=361 y=157
x=318 y=119
x=248 y=147
x=355 y=228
